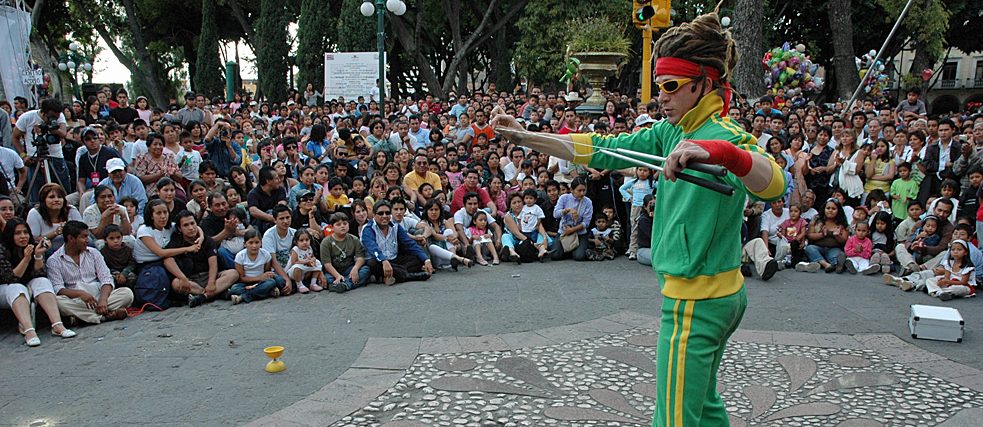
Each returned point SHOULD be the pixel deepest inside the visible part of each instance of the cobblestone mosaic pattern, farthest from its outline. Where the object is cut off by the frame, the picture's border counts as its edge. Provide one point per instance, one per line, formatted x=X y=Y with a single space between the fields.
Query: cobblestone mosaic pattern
x=611 y=380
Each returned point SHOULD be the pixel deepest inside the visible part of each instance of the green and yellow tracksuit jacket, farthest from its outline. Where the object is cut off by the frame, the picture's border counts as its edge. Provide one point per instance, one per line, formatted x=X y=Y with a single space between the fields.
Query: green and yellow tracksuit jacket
x=696 y=232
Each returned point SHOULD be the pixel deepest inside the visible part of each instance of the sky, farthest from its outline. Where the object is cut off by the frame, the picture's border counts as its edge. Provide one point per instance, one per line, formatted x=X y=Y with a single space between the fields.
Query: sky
x=107 y=69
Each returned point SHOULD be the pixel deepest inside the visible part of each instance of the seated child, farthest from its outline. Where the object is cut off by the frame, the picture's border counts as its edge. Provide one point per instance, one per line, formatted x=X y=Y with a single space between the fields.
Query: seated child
x=882 y=235
x=236 y=243
x=858 y=250
x=336 y=198
x=304 y=266
x=119 y=258
x=481 y=238
x=860 y=214
x=260 y=275
x=601 y=241
x=927 y=235
x=905 y=230
x=959 y=279
x=617 y=238
x=950 y=190
x=793 y=230
x=343 y=257
x=131 y=206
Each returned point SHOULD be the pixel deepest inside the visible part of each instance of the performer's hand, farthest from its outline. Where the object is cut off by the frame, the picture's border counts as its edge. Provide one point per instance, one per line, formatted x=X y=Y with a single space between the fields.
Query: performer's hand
x=500 y=119
x=684 y=153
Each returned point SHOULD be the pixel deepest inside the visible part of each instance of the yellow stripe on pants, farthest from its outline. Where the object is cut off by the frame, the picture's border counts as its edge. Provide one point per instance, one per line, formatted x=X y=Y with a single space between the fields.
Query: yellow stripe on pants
x=672 y=339
x=681 y=359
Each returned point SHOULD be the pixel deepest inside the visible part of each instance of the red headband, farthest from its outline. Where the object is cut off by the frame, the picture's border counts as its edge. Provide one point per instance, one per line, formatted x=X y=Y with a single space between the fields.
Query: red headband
x=685 y=68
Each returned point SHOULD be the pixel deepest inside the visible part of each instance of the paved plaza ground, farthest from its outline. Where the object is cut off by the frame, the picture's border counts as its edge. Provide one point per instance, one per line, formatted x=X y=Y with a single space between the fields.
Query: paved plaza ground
x=563 y=343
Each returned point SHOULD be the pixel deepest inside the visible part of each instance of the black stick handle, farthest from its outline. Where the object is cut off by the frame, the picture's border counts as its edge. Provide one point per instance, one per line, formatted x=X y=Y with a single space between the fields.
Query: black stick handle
x=710 y=185
x=715 y=170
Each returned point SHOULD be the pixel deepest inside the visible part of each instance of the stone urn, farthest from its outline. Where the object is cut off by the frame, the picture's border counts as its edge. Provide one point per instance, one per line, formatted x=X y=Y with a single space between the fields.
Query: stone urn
x=596 y=67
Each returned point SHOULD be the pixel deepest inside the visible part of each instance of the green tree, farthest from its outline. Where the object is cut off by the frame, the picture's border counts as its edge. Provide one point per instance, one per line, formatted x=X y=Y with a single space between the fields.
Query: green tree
x=315 y=29
x=356 y=33
x=272 y=48
x=208 y=77
x=539 y=55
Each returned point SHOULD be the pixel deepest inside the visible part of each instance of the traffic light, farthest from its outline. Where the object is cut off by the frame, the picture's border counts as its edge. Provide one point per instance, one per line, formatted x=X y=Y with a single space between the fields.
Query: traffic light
x=661 y=13
x=652 y=13
x=641 y=12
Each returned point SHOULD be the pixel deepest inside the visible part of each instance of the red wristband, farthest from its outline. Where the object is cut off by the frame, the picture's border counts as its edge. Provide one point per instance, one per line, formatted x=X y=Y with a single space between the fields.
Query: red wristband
x=727 y=155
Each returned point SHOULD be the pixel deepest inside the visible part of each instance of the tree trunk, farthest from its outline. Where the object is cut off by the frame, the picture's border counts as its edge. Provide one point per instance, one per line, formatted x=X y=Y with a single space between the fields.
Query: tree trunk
x=748 y=77
x=844 y=64
x=208 y=72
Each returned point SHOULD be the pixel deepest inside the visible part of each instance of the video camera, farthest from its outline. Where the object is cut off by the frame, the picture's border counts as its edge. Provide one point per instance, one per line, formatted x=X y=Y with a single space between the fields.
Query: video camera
x=46 y=137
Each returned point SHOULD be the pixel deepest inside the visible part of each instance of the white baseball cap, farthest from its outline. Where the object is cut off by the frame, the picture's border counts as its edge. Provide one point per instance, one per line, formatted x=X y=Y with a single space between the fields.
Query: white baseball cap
x=115 y=164
x=644 y=119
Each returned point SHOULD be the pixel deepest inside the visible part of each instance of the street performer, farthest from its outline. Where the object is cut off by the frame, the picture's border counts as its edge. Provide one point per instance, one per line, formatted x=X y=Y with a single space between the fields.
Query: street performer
x=696 y=233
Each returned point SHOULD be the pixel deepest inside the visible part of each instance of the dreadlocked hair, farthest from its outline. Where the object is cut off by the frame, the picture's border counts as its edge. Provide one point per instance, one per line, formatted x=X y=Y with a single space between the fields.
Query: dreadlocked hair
x=702 y=41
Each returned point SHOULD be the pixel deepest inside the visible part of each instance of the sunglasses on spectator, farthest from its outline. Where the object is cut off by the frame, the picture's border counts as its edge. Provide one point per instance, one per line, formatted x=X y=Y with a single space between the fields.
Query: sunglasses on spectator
x=671 y=86
x=383 y=213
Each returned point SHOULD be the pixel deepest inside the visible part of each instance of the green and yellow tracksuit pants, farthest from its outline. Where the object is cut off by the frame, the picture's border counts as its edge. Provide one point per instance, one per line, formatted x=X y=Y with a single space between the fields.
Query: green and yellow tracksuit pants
x=692 y=339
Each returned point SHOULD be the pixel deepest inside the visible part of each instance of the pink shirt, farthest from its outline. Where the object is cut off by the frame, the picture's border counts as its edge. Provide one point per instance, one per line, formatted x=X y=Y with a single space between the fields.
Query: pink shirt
x=858 y=248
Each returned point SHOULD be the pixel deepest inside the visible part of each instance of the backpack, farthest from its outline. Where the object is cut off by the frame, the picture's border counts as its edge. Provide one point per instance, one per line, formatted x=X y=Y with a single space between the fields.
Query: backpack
x=152 y=287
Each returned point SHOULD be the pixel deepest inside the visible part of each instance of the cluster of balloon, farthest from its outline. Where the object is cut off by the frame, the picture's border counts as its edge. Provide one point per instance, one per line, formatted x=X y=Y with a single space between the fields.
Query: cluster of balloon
x=791 y=69
x=872 y=74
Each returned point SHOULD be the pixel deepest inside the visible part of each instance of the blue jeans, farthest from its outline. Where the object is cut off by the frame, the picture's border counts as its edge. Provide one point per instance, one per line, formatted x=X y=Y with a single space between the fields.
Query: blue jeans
x=579 y=254
x=58 y=173
x=822 y=253
x=363 y=276
x=260 y=291
x=226 y=259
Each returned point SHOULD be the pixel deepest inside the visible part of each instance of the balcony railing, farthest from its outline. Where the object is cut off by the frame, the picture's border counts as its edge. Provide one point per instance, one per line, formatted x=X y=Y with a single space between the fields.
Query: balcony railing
x=947 y=84
x=974 y=83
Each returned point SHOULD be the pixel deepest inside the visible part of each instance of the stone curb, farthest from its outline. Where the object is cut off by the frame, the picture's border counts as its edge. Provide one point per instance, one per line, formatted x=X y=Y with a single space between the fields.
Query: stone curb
x=383 y=361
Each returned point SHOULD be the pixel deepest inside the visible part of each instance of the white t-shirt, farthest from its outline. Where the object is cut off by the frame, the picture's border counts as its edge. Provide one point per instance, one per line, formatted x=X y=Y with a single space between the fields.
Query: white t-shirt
x=93 y=216
x=140 y=251
x=26 y=123
x=10 y=161
x=462 y=217
x=397 y=141
x=132 y=150
x=529 y=218
x=253 y=267
x=39 y=226
x=188 y=162
x=770 y=223
x=279 y=246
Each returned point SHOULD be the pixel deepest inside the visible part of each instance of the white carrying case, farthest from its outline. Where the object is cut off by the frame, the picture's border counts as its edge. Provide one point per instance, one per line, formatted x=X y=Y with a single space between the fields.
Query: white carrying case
x=935 y=323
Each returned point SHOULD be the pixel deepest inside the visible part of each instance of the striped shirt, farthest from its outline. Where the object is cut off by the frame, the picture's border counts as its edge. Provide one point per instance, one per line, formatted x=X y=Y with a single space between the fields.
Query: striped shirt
x=65 y=273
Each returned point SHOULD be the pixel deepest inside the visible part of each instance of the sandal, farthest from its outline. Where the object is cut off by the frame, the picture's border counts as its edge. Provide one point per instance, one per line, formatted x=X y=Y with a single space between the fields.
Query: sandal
x=65 y=333
x=390 y=281
x=236 y=299
x=32 y=342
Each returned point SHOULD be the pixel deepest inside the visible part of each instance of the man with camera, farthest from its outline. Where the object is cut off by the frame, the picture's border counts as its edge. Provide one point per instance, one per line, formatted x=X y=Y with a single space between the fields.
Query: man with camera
x=37 y=138
x=222 y=150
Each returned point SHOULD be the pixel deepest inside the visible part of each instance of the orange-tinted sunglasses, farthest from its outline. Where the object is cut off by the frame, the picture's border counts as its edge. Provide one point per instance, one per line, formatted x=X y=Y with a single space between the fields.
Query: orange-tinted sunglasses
x=671 y=86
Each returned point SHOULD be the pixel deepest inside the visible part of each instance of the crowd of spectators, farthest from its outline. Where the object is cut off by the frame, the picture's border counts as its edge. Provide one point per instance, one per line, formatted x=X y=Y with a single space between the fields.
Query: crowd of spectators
x=245 y=200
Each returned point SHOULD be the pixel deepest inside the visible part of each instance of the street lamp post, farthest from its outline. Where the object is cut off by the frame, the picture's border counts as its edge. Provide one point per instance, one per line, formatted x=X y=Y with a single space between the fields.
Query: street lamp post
x=73 y=61
x=379 y=8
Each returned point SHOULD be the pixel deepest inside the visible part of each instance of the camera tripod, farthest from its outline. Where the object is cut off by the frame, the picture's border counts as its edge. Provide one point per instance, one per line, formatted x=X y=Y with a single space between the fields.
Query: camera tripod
x=42 y=163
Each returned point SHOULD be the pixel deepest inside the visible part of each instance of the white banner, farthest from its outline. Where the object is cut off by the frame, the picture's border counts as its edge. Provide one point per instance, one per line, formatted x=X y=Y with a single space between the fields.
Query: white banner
x=15 y=30
x=350 y=74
